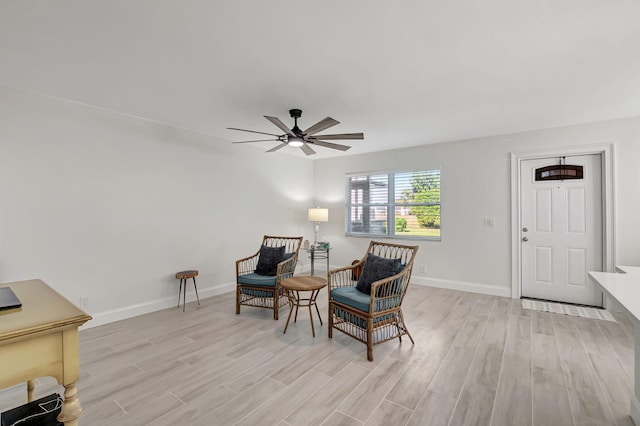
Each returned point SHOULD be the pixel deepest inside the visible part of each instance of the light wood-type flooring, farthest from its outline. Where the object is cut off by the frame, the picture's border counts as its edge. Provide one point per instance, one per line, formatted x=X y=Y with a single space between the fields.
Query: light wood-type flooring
x=477 y=360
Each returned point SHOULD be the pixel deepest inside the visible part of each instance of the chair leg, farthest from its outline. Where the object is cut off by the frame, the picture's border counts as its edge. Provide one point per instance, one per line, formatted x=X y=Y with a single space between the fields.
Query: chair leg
x=330 y=314
x=237 y=300
x=370 y=339
x=276 y=303
x=404 y=326
x=398 y=320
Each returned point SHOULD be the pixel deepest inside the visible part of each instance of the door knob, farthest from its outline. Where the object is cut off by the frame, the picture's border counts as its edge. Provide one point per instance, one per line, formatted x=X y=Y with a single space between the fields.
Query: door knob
x=525 y=239
x=525 y=229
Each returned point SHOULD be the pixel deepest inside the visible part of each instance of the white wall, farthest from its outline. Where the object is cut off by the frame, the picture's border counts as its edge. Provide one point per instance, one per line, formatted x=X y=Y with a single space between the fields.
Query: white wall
x=110 y=207
x=475 y=185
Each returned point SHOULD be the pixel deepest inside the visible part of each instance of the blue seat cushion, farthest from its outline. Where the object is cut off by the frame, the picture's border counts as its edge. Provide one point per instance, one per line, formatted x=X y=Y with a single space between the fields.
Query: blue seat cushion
x=257 y=280
x=353 y=297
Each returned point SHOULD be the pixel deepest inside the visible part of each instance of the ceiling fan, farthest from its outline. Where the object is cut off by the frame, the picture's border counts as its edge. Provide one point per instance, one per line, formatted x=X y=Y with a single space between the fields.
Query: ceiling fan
x=303 y=138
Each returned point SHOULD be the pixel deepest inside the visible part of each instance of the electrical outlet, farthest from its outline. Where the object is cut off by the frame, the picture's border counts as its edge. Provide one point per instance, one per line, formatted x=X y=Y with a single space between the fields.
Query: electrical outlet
x=423 y=268
x=84 y=301
x=489 y=222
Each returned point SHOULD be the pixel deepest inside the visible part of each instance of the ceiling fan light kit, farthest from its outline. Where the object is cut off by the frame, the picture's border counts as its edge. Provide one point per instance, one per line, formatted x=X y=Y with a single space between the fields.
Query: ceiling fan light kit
x=295 y=141
x=303 y=138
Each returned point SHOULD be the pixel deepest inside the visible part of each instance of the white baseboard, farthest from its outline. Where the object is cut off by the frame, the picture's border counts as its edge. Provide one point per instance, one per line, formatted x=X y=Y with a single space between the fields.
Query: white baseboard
x=490 y=290
x=125 y=312
x=131 y=311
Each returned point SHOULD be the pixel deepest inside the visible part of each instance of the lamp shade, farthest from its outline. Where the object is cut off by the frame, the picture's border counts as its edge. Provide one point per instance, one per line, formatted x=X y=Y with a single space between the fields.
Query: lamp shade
x=318 y=215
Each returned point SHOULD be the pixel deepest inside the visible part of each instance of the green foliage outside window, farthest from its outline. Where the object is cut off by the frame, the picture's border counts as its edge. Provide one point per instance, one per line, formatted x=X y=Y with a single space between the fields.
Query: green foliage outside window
x=405 y=204
x=425 y=189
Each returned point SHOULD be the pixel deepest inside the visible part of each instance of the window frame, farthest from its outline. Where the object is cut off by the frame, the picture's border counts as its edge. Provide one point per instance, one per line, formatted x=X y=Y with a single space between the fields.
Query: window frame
x=391 y=205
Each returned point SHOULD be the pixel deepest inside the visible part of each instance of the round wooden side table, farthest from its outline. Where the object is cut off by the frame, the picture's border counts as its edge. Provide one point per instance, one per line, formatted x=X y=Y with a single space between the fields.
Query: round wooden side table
x=183 y=276
x=294 y=286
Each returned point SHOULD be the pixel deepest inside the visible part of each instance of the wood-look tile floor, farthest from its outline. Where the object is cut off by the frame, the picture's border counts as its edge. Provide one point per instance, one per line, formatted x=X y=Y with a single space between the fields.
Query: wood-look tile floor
x=477 y=360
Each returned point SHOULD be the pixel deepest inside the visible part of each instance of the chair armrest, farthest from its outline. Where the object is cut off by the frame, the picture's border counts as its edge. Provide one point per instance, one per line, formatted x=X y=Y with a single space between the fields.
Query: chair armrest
x=342 y=277
x=389 y=292
x=247 y=265
x=286 y=268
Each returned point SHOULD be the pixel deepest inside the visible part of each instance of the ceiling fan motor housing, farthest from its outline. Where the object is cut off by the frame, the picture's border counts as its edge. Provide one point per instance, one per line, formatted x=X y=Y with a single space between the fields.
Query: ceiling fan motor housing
x=295 y=114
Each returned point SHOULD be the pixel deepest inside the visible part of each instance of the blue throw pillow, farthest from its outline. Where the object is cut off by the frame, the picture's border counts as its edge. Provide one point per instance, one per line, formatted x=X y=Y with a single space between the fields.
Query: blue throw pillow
x=268 y=260
x=376 y=268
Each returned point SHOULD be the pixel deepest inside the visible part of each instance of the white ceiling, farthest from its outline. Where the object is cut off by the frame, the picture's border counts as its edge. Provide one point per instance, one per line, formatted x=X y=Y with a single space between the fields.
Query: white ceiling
x=405 y=73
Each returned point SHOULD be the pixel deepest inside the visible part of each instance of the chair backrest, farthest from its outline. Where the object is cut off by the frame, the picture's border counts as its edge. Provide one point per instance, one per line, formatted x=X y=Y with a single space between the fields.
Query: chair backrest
x=291 y=244
x=406 y=254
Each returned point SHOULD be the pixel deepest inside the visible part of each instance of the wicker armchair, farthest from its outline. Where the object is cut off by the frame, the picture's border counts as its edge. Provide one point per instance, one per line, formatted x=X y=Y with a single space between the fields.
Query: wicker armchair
x=264 y=291
x=377 y=317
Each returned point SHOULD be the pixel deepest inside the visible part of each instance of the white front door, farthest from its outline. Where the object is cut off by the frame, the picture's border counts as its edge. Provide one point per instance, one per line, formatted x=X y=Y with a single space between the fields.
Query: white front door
x=561 y=233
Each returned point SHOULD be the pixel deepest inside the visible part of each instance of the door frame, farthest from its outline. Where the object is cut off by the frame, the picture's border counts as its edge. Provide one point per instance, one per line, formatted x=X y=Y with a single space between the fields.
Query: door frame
x=606 y=151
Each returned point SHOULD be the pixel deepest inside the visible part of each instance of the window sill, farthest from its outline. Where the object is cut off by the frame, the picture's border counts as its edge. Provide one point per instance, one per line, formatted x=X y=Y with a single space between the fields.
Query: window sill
x=392 y=237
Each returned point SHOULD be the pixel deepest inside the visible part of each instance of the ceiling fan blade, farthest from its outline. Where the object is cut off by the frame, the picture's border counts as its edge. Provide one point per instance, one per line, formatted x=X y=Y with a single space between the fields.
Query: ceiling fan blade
x=320 y=126
x=343 y=136
x=277 y=147
x=259 y=140
x=252 y=131
x=331 y=145
x=307 y=149
x=279 y=124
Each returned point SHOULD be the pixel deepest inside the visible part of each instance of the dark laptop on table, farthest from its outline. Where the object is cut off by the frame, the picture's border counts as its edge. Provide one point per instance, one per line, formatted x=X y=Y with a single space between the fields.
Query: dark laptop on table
x=8 y=299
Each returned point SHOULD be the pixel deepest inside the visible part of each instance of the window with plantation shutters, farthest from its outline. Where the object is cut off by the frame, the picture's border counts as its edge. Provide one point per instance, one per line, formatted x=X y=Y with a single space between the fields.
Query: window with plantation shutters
x=401 y=205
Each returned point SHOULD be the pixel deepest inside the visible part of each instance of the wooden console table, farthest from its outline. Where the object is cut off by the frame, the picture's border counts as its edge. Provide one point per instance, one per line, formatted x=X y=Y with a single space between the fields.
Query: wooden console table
x=624 y=288
x=41 y=339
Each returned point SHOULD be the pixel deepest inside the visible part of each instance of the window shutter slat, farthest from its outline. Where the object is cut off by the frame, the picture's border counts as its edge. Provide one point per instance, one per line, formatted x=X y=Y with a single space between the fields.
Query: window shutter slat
x=402 y=204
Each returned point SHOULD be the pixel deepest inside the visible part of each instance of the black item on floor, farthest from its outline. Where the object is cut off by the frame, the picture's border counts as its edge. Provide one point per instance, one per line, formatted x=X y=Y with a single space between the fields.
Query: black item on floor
x=41 y=412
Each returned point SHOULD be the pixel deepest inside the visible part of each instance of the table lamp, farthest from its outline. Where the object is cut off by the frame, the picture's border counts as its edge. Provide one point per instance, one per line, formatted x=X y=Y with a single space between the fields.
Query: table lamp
x=318 y=215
